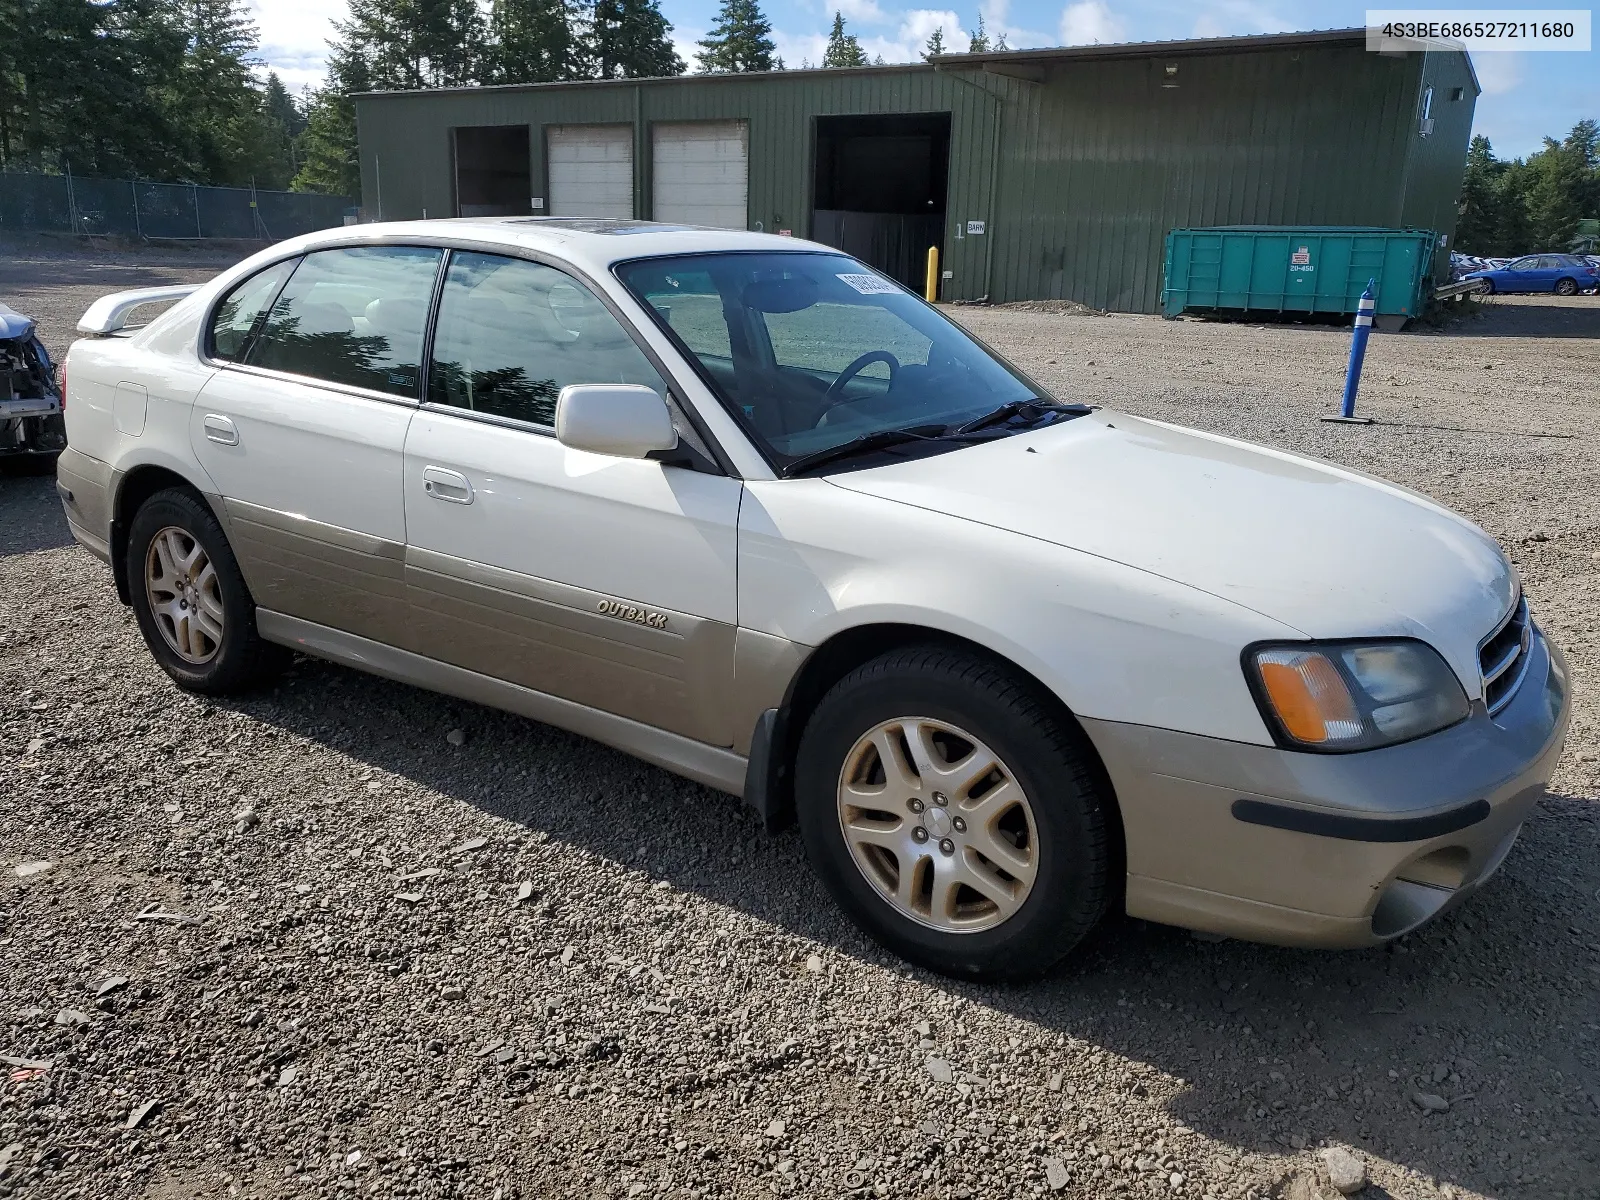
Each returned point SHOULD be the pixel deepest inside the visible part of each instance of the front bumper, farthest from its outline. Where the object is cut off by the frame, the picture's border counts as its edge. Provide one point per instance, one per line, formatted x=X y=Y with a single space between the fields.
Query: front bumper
x=1330 y=850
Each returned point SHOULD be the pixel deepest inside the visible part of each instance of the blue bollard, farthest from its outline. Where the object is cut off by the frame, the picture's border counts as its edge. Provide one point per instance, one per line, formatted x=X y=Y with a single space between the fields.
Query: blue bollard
x=1358 y=354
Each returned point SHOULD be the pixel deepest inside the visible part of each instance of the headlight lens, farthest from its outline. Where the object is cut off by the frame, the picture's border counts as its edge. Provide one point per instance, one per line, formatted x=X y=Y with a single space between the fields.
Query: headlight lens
x=1337 y=696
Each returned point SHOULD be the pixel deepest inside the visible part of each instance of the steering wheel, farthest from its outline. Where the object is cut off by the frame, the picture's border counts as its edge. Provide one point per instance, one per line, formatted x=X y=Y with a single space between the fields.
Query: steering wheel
x=832 y=398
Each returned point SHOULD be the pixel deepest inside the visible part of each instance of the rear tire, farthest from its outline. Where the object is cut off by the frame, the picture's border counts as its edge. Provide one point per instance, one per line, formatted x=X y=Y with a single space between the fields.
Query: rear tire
x=191 y=601
x=1009 y=867
x=1566 y=287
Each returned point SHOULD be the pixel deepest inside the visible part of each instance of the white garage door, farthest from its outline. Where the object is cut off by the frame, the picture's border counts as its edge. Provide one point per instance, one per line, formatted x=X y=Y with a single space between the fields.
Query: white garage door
x=591 y=170
x=702 y=173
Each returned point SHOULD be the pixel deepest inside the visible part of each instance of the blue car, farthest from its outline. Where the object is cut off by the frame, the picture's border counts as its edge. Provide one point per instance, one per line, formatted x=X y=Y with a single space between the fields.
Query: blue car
x=1563 y=274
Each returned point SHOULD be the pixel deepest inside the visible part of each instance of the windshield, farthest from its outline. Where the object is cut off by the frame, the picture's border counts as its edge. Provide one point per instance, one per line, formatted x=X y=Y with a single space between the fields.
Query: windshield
x=816 y=350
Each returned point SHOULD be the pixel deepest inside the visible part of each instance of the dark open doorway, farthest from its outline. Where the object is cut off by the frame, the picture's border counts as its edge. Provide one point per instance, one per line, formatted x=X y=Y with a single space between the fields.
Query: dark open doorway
x=880 y=188
x=494 y=175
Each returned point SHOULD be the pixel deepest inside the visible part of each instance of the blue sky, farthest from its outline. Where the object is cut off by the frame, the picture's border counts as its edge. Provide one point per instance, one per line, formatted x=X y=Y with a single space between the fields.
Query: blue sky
x=1525 y=95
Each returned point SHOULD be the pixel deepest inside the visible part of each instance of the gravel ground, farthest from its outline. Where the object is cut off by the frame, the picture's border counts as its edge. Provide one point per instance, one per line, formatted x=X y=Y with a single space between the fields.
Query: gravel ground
x=346 y=937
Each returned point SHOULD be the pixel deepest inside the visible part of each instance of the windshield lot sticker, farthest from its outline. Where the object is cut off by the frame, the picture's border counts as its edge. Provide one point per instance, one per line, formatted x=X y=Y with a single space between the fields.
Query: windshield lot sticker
x=867 y=285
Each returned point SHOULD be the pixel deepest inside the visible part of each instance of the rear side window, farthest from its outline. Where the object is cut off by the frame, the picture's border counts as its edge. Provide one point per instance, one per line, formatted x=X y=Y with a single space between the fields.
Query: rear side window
x=511 y=334
x=236 y=317
x=354 y=316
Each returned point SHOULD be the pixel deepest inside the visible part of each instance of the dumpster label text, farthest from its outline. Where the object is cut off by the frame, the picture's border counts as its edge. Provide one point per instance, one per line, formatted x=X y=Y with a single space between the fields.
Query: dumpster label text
x=1300 y=260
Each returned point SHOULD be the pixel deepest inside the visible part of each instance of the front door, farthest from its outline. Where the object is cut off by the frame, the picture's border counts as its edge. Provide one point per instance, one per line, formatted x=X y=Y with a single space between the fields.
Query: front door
x=303 y=431
x=609 y=582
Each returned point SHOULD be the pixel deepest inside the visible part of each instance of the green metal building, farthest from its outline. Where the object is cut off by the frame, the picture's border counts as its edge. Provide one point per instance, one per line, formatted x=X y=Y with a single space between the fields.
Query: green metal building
x=1039 y=174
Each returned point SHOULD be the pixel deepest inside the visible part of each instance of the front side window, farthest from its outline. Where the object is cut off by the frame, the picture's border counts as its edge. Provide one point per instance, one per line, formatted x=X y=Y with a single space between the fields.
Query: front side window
x=354 y=316
x=511 y=334
x=814 y=350
x=235 y=318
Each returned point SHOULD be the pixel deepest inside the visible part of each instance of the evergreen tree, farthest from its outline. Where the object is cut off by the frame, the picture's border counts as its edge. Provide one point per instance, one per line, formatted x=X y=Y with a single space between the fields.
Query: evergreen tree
x=843 y=48
x=935 y=46
x=979 y=39
x=1563 y=186
x=535 y=41
x=1476 y=231
x=741 y=40
x=1513 y=234
x=629 y=40
x=329 y=162
x=216 y=103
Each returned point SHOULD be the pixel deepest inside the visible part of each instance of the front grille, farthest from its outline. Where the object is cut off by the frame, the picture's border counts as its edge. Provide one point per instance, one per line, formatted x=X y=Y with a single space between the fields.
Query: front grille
x=1504 y=657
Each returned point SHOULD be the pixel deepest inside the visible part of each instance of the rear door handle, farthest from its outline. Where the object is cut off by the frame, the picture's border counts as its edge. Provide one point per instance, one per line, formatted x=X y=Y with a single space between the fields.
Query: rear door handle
x=444 y=484
x=221 y=429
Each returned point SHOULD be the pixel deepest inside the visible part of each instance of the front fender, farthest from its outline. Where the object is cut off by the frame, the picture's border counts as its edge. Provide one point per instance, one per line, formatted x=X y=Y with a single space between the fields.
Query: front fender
x=1113 y=642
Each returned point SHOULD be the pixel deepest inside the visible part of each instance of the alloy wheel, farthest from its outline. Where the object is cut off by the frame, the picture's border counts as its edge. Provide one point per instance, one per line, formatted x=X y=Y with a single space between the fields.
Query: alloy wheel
x=181 y=585
x=938 y=824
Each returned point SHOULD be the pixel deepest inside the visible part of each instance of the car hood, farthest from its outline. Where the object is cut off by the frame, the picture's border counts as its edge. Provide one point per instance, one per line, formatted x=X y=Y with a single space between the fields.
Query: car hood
x=1325 y=550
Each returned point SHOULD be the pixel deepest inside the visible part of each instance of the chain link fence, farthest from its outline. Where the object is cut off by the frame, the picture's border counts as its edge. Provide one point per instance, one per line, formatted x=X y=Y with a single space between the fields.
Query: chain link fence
x=127 y=208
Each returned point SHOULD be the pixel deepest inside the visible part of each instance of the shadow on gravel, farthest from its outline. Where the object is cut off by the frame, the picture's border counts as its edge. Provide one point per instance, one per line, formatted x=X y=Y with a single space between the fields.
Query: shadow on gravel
x=1277 y=1049
x=1531 y=317
x=30 y=514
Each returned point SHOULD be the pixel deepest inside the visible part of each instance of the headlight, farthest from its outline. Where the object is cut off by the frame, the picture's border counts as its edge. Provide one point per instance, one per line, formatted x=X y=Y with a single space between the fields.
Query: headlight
x=1335 y=696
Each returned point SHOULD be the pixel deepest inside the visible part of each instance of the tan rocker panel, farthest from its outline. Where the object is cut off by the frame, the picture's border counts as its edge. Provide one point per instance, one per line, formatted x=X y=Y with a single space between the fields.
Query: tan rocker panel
x=323 y=573
x=665 y=668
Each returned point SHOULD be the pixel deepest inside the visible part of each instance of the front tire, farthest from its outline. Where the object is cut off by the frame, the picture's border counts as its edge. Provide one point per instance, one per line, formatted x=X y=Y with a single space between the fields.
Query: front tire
x=1488 y=287
x=190 y=598
x=953 y=815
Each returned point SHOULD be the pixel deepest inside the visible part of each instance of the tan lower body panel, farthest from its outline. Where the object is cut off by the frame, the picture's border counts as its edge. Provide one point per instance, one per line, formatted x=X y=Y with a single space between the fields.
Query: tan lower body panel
x=323 y=573
x=711 y=765
x=92 y=484
x=562 y=640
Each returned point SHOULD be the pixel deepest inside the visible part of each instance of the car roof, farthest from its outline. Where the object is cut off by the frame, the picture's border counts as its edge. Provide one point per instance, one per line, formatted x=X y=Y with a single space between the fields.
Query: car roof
x=587 y=242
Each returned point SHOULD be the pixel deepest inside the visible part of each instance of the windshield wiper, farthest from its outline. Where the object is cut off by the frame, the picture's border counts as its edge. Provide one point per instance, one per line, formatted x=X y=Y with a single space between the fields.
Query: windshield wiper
x=1033 y=408
x=878 y=439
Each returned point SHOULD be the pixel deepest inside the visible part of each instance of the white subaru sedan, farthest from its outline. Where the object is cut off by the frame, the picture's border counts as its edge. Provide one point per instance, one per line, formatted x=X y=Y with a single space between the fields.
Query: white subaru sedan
x=743 y=507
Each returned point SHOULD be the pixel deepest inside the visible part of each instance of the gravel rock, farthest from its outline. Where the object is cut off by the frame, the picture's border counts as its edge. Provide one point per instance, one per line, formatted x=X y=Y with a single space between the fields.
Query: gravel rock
x=1346 y=1172
x=456 y=737
x=29 y=869
x=940 y=1070
x=1429 y=1102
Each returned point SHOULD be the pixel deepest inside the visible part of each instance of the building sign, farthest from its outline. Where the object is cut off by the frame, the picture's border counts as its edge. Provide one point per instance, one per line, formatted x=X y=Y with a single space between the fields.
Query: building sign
x=974 y=228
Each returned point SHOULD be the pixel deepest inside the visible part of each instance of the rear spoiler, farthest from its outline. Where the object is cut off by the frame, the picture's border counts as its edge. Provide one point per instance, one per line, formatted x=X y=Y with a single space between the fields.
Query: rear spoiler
x=109 y=314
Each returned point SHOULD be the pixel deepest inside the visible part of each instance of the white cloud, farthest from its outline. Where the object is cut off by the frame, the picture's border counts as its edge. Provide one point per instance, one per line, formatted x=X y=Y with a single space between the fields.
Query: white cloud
x=1230 y=18
x=864 y=12
x=798 y=48
x=1088 y=22
x=1499 y=72
x=294 y=37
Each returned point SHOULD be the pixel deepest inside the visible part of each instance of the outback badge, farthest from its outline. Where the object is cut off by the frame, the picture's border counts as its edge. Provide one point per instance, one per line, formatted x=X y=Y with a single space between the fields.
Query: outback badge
x=627 y=612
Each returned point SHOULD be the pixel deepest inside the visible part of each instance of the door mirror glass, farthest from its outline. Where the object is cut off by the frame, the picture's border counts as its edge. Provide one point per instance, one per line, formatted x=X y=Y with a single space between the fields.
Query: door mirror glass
x=622 y=420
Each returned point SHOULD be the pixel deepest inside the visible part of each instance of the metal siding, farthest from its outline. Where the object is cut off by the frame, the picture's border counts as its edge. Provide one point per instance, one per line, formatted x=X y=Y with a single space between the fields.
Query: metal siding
x=1096 y=164
x=1432 y=185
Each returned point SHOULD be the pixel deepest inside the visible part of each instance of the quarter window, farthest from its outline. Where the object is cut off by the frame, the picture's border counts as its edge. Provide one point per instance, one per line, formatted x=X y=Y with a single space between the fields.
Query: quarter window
x=354 y=315
x=237 y=315
x=512 y=333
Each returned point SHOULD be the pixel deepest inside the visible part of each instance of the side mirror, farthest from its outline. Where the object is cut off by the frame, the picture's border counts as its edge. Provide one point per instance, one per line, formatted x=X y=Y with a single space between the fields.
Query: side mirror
x=624 y=420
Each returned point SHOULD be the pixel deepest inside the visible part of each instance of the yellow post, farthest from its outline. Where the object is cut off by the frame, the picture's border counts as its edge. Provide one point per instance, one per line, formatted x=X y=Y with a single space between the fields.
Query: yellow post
x=931 y=290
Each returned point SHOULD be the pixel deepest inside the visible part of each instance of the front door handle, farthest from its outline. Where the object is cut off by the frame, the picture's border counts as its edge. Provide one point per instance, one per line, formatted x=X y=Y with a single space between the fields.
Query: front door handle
x=444 y=484
x=221 y=429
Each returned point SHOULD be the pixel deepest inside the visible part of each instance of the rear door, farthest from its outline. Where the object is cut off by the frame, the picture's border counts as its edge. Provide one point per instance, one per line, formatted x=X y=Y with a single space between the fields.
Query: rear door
x=590 y=170
x=604 y=581
x=303 y=432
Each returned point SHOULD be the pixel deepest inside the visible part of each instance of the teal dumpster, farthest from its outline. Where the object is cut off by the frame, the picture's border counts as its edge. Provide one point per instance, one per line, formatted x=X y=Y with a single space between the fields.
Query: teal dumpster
x=1315 y=269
